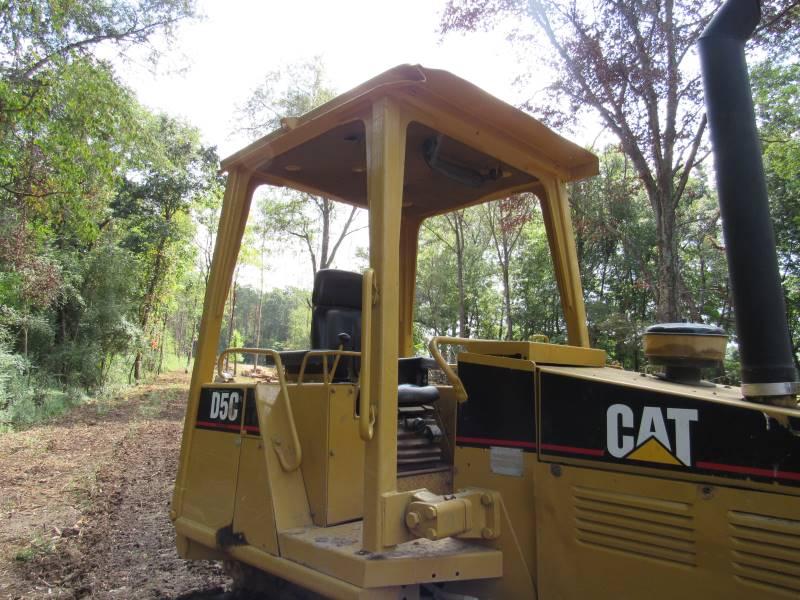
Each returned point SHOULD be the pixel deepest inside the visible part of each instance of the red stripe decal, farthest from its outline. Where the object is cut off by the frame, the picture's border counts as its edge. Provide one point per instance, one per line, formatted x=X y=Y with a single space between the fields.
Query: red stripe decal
x=770 y=473
x=494 y=442
x=251 y=428
x=572 y=449
x=219 y=425
x=532 y=445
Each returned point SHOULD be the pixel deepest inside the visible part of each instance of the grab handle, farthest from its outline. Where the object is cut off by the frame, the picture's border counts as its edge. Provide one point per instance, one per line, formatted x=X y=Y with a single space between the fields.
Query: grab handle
x=366 y=412
x=455 y=380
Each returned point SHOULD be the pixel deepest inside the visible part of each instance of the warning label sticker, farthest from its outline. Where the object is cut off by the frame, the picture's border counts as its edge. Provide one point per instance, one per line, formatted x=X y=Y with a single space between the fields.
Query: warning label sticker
x=506 y=461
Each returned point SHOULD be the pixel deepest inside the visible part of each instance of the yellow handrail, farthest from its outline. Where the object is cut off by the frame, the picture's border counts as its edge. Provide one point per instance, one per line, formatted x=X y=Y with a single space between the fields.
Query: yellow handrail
x=286 y=464
x=337 y=354
x=433 y=346
x=366 y=412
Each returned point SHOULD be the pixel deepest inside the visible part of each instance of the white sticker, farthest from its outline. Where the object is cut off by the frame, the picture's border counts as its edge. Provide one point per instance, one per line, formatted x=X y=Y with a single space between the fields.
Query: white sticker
x=506 y=461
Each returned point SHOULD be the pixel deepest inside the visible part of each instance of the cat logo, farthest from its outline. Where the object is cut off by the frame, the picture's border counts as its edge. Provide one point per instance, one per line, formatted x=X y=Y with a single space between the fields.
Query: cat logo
x=653 y=440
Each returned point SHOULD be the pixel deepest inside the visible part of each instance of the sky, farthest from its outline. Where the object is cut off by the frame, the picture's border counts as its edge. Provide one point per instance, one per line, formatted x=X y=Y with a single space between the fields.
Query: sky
x=227 y=53
x=219 y=60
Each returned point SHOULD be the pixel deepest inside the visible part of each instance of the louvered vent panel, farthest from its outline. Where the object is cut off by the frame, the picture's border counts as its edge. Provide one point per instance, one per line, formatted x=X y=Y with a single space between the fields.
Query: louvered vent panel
x=766 y=551
x=636 y=525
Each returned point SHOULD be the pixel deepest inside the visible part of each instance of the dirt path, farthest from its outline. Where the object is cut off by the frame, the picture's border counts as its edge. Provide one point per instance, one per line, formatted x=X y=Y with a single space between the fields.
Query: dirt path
x=84 y=503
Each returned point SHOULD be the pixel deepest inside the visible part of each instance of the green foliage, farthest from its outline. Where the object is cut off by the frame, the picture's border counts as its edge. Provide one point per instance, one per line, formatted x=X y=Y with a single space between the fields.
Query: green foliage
x=299 y=326
x=291 y=91
x=28 y=395
x=285 y=322
x=535 y=297
x=777 y=102
x=39 y=546
x=73 y=141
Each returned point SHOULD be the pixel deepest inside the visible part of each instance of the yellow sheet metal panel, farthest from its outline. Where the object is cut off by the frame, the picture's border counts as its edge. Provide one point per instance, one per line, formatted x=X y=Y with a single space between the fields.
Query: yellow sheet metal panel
x=290 y=501
x=491 y=360
x=719 y=394
x=345 y=460
x=333 y=453
x=473 y=468
x=612 y=535
x=253 y=514
x=310 y=404
x=438 y=482
x=335 y=551
x=211 y=478
x=540 y=353
x=326 y=585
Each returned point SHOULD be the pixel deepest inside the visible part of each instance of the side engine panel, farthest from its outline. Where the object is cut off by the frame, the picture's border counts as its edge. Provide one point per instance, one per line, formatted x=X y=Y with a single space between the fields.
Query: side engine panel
x=640 y=491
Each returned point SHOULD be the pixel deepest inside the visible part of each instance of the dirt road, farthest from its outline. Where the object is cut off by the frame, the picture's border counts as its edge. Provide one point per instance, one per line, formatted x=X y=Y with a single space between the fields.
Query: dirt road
x=84 y=503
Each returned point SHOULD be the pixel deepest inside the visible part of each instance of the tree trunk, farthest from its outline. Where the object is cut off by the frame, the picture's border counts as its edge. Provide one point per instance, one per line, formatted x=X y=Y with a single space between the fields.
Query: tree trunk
x=324 y=260
x=463 y=327
x=667 y=306
x=258 y=313
x=507 y=301
x=161 y=344
x=149 y=302
x=230 y=320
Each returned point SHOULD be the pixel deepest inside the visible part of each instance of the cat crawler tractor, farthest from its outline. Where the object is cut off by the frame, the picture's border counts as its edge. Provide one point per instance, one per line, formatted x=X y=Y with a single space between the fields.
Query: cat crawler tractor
x=537 y=471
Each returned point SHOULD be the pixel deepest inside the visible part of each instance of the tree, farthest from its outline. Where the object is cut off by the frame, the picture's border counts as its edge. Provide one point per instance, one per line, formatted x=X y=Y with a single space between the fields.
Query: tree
x=454 y=276
x=46 y=56
x=67 y=130
x=777 y=101
x=506 y=219
x=317 y=224
x=155 y=201
x=535 y=303
x=627 y=63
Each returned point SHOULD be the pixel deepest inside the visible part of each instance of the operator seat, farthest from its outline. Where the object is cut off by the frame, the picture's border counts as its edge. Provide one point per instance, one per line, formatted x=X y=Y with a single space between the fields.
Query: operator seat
x=335 y=323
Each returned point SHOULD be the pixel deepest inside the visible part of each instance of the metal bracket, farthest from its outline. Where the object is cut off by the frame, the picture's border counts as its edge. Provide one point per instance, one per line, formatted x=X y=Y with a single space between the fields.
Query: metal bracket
x=470 y=513
x=226 y=537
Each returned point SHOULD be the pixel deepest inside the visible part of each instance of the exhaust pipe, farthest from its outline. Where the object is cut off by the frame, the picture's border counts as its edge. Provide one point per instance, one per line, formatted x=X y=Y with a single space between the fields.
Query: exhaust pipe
x=768 y=372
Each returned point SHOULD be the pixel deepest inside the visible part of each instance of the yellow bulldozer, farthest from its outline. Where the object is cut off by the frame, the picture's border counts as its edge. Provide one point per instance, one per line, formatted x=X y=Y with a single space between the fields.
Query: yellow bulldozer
x=536 y=471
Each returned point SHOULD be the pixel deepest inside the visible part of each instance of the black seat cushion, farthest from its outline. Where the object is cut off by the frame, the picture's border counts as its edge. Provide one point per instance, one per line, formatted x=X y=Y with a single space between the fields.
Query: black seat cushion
x=333 y=287
x=413 y=395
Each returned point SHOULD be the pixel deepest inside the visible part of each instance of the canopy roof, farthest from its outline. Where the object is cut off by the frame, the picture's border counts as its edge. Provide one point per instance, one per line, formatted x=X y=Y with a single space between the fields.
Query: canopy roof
x=463 y=146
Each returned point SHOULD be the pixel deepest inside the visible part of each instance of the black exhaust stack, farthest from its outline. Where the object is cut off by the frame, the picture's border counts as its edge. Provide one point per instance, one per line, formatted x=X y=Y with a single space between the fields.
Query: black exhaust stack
x=767 y=367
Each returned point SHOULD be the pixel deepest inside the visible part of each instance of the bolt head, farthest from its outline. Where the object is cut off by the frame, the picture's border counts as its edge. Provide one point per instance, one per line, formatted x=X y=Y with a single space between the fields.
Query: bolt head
x=429 y=512
x=487 y=500
x=412 y=520
x=487 y=533
x=707 y=492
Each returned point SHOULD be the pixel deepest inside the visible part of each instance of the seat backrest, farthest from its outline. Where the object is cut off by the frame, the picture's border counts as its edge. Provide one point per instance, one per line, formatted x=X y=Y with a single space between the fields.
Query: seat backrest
x=336 y=302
